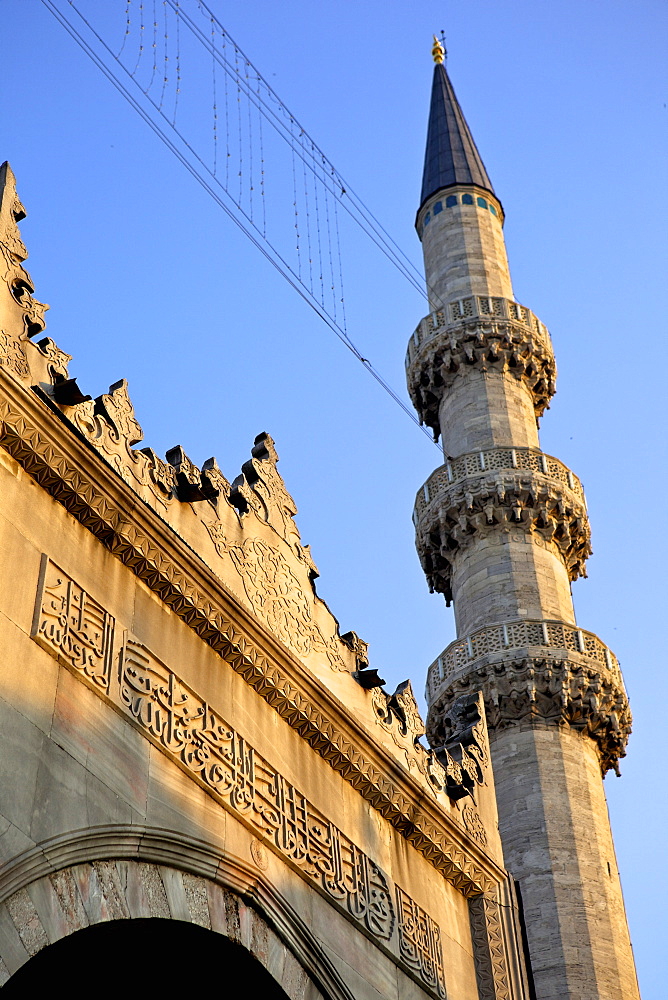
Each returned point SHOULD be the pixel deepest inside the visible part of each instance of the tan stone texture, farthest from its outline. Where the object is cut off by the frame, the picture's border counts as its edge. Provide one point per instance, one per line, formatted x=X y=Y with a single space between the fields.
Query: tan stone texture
x=557 y=842
x=487 y=410
x=503 y=546
x=464 y=250
x=510 y=575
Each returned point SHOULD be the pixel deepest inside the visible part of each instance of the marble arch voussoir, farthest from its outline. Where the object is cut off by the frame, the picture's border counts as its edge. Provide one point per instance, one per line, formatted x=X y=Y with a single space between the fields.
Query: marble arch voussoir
x=109 y=874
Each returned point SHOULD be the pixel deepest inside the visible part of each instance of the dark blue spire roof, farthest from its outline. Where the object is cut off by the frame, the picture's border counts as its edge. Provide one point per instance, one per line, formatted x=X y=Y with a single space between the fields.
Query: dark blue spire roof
x=451 y=156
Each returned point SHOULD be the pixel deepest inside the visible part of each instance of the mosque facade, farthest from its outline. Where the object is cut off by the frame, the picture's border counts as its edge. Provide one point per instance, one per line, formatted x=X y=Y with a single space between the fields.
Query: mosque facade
x=201 y=772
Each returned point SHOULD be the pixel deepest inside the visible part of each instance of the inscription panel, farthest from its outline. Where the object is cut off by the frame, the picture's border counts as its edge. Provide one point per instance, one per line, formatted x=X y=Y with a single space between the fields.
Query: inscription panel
x=188 y=728
x=73 y=627
x=420 y=941
x=77 y=630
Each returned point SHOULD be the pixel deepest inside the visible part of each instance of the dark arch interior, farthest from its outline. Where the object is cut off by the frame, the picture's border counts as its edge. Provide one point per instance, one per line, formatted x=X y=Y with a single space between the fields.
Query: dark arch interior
x=134 y=958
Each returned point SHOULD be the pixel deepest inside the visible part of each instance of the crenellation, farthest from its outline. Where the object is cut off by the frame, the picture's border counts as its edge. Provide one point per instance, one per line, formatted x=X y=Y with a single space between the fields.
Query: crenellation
x=189 y=737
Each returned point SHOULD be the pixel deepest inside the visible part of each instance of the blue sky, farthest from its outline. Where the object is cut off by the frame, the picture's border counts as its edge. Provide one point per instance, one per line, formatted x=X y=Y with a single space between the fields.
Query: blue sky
x=149 y=280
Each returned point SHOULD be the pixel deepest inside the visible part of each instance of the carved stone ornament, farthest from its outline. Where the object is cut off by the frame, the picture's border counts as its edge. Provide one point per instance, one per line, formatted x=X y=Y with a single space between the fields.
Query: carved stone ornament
x=11 y=213
x=73 y=627
x=420 y=942
x=277 y=596
x=13 y=356
x=564 y=690
x=514 y=635
x=259 y=854
x=474 y=825
x=57 y=360
x=463 y=729
x=260 y=487
x=491 y=460
x=98 y=498
x=500 y=501
x=489 y=949
x=12 y=254
x=188 y=479
x=465 y=742
x=506 y=339
x=357 y=646
x=110 y=425
x=456 y=768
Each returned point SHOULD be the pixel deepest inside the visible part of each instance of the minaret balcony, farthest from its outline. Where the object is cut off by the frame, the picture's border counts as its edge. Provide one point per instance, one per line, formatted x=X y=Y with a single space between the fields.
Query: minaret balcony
x=501 y=489
x=489 y=333
x=538 y=671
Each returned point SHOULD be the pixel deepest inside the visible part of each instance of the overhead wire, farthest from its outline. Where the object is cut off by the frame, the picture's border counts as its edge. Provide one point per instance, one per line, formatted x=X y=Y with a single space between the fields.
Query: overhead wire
x=354 y=204
x=154 y=47
x=274 y=256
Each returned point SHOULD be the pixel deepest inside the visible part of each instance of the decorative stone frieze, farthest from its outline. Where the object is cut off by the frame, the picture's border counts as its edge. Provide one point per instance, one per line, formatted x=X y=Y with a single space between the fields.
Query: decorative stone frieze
x=109 y=424
x=455 y=768
x=261 y=488
x=477 y=463
x=495 y=921
x=491 y=334
x=530 y=686
x=278 y=597
x=190 y=730
x=420 y=943
x=168 y=567
x=490 y=952
x=501 y=500
x=521 y=633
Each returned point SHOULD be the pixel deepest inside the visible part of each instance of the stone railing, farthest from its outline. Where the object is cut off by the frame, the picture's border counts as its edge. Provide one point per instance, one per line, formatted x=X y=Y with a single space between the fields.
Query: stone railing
x=488 y=334
x=513 y=635
x=476 y=463
x=474 y=307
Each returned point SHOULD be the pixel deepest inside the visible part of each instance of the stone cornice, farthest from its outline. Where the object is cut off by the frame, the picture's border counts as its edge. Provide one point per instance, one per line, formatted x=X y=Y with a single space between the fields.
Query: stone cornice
x=500 y=500
x=490 y=334
x=478 y=463
x=536 y=686
x=503 y=638
x=70 y=470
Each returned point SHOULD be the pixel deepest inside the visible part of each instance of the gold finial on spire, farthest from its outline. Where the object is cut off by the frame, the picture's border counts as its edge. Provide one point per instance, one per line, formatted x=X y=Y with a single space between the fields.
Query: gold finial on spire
x=438 y=52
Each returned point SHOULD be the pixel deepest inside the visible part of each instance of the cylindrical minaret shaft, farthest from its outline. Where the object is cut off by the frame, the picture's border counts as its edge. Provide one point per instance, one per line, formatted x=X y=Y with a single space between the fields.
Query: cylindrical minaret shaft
x=465 y=255
x=502 y=530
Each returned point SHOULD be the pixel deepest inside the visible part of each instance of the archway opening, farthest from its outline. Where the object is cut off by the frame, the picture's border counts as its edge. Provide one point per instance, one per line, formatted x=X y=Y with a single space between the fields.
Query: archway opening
x=127 y=958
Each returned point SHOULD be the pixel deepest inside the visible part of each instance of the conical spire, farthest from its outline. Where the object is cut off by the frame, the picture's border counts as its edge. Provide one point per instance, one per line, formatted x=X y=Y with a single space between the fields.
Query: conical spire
x=451 y=156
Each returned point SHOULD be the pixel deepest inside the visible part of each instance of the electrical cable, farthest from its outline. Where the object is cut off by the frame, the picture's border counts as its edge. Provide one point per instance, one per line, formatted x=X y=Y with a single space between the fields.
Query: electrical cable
x=274 y=257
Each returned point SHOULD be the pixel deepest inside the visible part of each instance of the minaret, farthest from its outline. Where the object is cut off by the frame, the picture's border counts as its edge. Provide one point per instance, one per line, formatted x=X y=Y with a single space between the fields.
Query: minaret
x=502 y=530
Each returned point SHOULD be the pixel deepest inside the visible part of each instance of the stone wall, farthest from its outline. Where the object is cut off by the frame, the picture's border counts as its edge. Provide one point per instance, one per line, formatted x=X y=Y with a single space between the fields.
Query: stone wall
x=185 y=732
x=557 y=842
x=464 y=249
